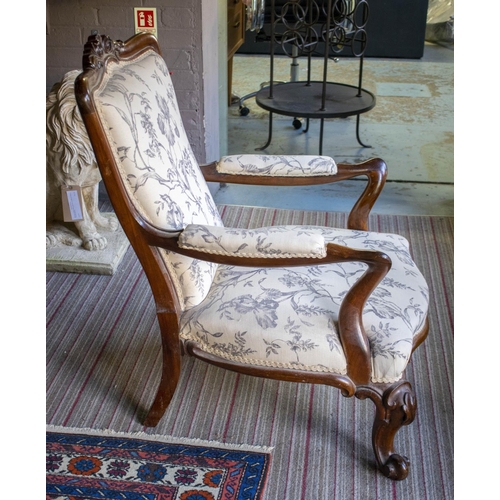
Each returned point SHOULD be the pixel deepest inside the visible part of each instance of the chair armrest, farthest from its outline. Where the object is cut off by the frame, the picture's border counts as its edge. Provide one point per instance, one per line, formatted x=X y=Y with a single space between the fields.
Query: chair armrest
x=265 y=242
x=374 y=169
x=277 y=165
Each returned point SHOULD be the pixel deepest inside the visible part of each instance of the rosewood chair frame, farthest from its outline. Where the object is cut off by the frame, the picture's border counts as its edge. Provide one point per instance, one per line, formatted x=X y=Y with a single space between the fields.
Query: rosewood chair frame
x=395 y=403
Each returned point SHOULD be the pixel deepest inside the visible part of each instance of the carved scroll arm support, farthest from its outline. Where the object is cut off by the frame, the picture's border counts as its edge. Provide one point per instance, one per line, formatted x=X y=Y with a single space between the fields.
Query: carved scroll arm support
x=374 y=169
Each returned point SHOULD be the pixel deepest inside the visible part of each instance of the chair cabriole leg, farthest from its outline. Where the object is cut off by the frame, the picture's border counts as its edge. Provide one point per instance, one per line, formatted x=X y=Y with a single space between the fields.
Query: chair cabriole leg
x=396 y=406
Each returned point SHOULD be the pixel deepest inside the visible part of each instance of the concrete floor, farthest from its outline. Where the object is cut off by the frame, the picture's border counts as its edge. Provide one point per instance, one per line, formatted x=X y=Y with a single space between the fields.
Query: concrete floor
x=411 y=128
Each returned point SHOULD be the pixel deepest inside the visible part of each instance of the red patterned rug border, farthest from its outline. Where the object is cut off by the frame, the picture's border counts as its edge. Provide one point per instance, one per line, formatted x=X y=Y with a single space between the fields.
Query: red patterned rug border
x=89 y=463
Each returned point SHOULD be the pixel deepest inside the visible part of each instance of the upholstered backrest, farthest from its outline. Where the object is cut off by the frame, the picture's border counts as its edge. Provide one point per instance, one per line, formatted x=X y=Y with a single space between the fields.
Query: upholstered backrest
x=138 y=107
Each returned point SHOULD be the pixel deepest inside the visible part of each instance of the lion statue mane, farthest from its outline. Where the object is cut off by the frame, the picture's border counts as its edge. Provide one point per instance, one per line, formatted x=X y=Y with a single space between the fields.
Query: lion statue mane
x=71 y=162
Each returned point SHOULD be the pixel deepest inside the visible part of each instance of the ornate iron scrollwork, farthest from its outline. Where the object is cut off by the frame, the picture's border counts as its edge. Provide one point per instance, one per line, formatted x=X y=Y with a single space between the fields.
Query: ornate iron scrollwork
x=337 y=23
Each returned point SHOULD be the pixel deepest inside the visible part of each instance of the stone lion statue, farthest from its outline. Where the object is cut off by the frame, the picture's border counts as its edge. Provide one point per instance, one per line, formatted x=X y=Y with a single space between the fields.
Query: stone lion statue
x=71 y=162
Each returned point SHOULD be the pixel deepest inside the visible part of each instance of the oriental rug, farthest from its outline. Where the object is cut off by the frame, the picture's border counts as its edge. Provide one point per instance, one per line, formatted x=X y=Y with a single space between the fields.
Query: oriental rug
x=90 y=464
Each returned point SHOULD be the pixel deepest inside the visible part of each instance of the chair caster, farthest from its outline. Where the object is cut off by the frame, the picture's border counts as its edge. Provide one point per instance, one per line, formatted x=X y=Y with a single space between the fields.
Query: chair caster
x=244 y=111
x=297 y=124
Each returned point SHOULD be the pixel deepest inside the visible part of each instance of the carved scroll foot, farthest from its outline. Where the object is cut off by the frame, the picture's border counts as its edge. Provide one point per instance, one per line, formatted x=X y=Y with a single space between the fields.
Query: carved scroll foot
x=396 y=406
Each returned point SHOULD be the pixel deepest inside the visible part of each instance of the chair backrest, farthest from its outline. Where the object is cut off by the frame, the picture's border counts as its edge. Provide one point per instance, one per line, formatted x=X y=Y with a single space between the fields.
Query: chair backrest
x=128 y=104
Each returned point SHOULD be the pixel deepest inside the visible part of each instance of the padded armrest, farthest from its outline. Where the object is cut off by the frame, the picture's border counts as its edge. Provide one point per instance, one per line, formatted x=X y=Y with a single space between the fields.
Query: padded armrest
x=267 y=242
x=277 y=166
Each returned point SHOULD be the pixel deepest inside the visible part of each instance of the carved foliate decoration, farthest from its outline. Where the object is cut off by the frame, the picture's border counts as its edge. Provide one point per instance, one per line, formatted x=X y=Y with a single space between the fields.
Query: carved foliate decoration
x=99 y=48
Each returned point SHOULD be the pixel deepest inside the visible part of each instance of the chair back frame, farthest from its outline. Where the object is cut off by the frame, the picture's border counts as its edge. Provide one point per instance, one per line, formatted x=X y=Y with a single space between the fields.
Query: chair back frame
x=99 y=52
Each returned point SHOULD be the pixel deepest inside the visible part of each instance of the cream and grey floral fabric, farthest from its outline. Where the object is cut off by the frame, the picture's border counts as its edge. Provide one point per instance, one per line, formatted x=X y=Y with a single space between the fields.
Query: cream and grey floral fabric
x=288 y=317
x=138 y=105
x=277 y=166
x=267 y=242
x=274 y=316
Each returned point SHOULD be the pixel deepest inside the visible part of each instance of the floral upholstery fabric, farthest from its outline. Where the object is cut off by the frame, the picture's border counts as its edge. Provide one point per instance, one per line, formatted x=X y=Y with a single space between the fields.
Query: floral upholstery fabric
x=277 y=166
x=274 y=316
x=288 y=317
x=269 y=242
x=138 y=106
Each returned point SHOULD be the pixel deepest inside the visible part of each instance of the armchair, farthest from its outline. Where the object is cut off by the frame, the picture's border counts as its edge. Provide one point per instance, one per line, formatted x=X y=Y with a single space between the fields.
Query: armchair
x=342 y=307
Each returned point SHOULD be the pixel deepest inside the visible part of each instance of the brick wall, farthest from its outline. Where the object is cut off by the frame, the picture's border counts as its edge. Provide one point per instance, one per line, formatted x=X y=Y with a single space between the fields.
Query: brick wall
x=70 y=22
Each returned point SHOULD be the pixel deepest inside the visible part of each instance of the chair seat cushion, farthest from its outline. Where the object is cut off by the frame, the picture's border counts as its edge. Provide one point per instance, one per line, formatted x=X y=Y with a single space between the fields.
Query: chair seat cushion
x=287 y=317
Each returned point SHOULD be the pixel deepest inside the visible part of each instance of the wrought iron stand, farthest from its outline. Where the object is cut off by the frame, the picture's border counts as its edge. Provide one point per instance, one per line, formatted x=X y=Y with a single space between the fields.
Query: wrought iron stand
x=299 y=28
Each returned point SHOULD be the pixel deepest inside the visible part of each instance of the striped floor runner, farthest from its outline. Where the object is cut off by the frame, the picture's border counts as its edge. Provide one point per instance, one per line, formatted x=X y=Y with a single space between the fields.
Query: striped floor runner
x=103 y=364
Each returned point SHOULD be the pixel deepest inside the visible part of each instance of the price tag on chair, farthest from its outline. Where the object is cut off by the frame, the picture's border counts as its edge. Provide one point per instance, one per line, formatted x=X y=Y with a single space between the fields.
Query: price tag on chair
x=72 y=202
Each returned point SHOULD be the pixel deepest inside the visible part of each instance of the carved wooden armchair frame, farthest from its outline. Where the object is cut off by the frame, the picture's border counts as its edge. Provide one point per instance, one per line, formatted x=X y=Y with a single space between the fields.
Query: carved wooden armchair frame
x=394 y=401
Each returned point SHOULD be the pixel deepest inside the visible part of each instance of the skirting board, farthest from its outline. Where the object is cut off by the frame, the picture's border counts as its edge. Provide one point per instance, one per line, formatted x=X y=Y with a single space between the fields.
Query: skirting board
x=69 y=259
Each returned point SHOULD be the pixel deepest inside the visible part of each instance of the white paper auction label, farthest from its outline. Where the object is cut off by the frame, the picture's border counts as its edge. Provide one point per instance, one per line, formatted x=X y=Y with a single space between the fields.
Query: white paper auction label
x=72 y=202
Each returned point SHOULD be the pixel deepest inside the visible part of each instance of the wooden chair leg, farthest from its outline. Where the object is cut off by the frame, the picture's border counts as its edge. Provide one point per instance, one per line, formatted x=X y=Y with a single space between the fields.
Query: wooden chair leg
x=171 y=368
x=396 y=406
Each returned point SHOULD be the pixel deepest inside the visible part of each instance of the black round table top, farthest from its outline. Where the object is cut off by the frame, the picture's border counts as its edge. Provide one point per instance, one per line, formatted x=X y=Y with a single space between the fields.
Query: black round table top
x=303 y=99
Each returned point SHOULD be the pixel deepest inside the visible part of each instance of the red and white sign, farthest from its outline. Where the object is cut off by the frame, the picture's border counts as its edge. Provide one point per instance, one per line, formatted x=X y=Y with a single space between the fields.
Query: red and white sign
x=145 y=20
